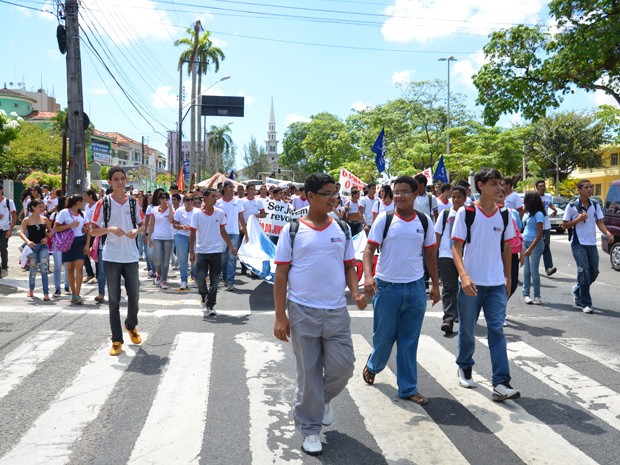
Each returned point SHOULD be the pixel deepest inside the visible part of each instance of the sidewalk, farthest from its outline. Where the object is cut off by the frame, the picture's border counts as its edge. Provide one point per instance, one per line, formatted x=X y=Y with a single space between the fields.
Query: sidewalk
x=16 y=280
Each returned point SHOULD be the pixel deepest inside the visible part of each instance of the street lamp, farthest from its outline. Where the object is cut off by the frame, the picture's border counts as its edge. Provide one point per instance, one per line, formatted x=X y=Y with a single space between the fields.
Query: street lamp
x=448 y=59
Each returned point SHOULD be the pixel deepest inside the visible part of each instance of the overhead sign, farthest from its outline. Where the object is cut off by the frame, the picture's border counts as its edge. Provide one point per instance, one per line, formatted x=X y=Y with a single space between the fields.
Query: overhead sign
x=218 y=105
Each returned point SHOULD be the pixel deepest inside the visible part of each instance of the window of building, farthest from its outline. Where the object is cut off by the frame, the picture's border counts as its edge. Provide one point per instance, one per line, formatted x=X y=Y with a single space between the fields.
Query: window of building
x=597 y=189
x=614 y=159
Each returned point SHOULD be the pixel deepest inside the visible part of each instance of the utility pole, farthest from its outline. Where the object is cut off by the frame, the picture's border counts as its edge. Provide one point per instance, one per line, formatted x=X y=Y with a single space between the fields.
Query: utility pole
x=179 y=141
x=75 y=113
x=192 y=149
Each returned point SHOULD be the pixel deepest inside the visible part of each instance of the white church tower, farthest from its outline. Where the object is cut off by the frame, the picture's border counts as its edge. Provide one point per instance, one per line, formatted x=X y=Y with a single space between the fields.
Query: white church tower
x=271 y=144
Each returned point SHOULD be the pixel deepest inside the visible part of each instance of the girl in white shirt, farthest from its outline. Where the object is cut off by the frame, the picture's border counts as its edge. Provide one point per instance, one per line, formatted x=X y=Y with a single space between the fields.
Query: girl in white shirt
x=161 y=238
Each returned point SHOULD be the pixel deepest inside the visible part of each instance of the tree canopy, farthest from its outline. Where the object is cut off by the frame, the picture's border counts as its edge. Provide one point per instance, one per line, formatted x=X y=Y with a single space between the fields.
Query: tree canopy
x=35 y=147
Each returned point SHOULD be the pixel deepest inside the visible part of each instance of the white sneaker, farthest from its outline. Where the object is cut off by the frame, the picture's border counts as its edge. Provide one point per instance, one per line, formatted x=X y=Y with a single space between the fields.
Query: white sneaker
x=537 y=301
x=328 y=415
x=587 y=310
x=183 y=286
x=211 y=311
x=164 y=285
x=465 y=379
x=157 y=281
x=504 y=391
x=527 y=300
x=312 y=445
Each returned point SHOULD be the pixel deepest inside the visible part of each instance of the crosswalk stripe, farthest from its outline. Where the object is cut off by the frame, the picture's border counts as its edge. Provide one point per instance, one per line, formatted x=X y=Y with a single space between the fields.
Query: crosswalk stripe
x=599 y=400
x=176 y=421
x=597 y=352
x=24 y=360
x=266 y=412
x=50 y=438
x=382 y=419
x=527 y=437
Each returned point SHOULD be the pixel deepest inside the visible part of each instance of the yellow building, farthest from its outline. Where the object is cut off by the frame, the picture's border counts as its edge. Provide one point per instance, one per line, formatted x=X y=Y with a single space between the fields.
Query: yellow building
x=602 y=177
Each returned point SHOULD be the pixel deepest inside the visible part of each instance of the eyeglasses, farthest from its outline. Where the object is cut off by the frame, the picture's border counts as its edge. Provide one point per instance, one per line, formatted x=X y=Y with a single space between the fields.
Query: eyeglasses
x=401 y=193
x=329 y=195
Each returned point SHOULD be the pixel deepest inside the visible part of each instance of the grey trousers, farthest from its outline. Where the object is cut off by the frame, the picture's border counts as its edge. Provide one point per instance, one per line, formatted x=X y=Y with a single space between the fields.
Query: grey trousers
x=323 y=348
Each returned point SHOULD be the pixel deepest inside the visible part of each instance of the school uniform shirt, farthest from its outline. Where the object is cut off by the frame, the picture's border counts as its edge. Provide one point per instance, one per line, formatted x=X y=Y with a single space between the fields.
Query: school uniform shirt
x=586 y=230
x=426 y=203
x=441 y=206
x=207 y=227
x=251 y=207
x=401 y=257
x=299 y=203
x=531 y=225
x=119 y=249
x=232 y=208
x=367 y=203
x=89 y=212
x=380 y=207
x=6 y=207
x=446 y=242
x=483 y=256
x=547 y=199
x=65 y=217
x=184 y=218
x=316 y=278
x=354 y=207
x=162 y=229
x=513 y=200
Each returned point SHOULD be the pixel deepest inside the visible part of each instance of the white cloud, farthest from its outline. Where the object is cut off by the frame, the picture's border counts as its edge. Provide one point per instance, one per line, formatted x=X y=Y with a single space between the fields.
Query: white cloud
x=99 y=90
x=217 y=42
x=463 y=70
x=424 y=20
x=360 y=106
x=164 y=97
x=294 y=118
x=47 y=6
x=248 y=99
x=602 y=98
x=53 y=54
x=402 y=77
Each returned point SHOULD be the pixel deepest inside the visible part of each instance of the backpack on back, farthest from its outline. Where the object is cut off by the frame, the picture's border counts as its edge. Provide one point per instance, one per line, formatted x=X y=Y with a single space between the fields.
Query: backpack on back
x=107 y=212
x=577 y=206
x=470 y=216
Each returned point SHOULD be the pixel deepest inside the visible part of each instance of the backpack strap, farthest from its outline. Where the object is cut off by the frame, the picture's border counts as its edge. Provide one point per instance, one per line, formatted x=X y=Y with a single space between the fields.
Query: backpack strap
x=424 y=220
x=444 y=220
x=294 y=227
x=504 y=211
x=389 y=216
x=470 y=215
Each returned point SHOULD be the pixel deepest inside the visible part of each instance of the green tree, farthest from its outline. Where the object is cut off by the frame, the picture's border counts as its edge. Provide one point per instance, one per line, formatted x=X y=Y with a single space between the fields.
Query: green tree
x=530 y=70
x=220 y=145
x=9 y=129
x=35 y=147
x=255 y=159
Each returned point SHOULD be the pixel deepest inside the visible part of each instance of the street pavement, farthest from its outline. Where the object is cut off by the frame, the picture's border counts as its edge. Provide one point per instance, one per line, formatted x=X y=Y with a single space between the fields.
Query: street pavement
x=220 y=391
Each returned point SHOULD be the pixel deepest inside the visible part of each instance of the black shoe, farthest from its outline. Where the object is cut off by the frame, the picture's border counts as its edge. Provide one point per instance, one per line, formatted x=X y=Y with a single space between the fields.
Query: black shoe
x=446 y=327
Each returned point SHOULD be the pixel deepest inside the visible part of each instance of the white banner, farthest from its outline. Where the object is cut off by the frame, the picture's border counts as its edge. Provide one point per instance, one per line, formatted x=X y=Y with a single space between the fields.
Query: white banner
x=347 y=180
x=428 y=172
x=278 y=215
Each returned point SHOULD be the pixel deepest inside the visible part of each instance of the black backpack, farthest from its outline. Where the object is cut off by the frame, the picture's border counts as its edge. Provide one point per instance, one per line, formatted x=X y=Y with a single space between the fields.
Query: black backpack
x=470 y=216
x=294 y=227
x=579 y=207
x=389 y=216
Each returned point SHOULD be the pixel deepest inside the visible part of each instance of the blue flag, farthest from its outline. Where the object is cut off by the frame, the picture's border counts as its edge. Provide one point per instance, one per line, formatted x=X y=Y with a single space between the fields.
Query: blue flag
x=440 y=171
x=379 y=148
x=232 y=175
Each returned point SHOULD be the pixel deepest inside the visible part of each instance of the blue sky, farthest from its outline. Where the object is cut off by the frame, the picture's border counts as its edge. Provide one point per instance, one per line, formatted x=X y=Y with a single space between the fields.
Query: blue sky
x=310 y=56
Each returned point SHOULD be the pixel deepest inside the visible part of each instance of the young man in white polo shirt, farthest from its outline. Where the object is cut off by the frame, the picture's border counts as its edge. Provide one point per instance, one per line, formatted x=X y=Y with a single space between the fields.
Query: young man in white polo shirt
x=310 y=279
x=366 y=204
x=400 y=300
x=207 y=231
x=120 y=254
x=483 y=259
x=584 y=216
x=235 y=225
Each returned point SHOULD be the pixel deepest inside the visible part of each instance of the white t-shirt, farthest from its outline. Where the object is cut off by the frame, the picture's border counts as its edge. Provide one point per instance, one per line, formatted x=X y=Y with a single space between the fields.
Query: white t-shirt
x=513 y=200
x=119 y=249
x=367 y=203
x=354 y=207
x=89 y=211
x=316 y=278
x=482 y=256
x=446 y=242
x=52 y=203
x=547 y=199
x=401 y=257
x=162 y=228
x=298 y=203
x=232 y=208
x=586 y=230
x=426 y=203
x=66 y=217
x=380 y=207
x=6 y=207
x=207 y=227
x=184 y=218
x=251 y=207
x=443 y=206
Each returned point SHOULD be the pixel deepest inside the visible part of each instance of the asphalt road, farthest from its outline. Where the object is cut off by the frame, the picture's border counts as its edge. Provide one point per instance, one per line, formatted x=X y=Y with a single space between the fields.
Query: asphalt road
x=219 y=391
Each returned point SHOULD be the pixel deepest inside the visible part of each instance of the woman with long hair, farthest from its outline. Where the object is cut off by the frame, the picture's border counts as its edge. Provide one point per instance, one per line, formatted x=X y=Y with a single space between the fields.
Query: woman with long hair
x=384 y=203
x=90 y=202
x=161 y=237
x=533 y=219
x=73 y=218
x=147 y=206
x=57 y=254
x=36 y=231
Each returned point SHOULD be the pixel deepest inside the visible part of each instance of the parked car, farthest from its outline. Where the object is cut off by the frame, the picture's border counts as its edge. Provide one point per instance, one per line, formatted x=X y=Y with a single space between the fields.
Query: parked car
x=559 y=202
x=611 y=209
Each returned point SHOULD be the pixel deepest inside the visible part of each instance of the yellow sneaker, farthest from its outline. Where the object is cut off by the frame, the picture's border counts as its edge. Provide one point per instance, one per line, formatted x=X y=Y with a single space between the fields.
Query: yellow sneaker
x=116 y=348
x=134 y=335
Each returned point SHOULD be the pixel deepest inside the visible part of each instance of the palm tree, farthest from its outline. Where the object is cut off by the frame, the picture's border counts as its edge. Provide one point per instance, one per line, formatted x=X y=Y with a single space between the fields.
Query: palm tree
x=220 y=143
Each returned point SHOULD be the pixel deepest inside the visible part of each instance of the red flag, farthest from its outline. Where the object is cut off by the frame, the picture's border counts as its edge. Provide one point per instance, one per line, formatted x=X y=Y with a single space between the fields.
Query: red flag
x=181 y=181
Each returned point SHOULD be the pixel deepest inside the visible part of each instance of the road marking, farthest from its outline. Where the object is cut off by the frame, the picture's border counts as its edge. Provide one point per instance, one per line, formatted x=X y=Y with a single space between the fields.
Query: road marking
x=598 y=400
x=50 y=438
x=24 y=360
x=173 y=430
x=524 y=434
x=597 y=352
x=383 y=418
x=270 y=401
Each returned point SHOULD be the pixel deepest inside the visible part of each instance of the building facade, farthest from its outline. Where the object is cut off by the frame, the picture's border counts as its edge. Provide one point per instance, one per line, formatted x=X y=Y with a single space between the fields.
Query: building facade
x=602 y=177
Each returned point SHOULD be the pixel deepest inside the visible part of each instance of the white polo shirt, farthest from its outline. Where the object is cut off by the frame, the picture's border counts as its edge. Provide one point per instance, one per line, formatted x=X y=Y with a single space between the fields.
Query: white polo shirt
x=586 y=230
x=251 y=207
x=446 y=242
x=184 y=218
x=207 y=227
x=6 y=207
x=232 y=208
x=66 y=217
x=119 y=249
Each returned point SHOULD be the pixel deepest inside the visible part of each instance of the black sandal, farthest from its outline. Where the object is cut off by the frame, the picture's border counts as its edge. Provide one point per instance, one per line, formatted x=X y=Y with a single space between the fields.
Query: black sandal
x=369 y=376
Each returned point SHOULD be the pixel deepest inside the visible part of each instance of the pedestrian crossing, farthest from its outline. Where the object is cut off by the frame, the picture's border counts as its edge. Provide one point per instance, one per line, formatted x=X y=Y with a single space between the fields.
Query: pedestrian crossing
x=175 y=426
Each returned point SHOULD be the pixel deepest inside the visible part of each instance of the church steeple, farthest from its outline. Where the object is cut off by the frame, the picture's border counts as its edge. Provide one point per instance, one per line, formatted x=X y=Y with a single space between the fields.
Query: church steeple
x=271 y=144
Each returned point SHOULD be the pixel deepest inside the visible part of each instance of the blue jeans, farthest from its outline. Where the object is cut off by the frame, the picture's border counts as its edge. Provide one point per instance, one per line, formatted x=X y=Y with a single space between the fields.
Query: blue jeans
x=100 y=273
x=181 y=243
x=586 y=258
x=493 y=300
x=229 y=261
x=162 y=248
x=129 y=271
x=148 y=255
x=141 y=244
x=39 y=258
x=547 y=258
x=530 y=268
x=398 y=315
x=58 y=265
